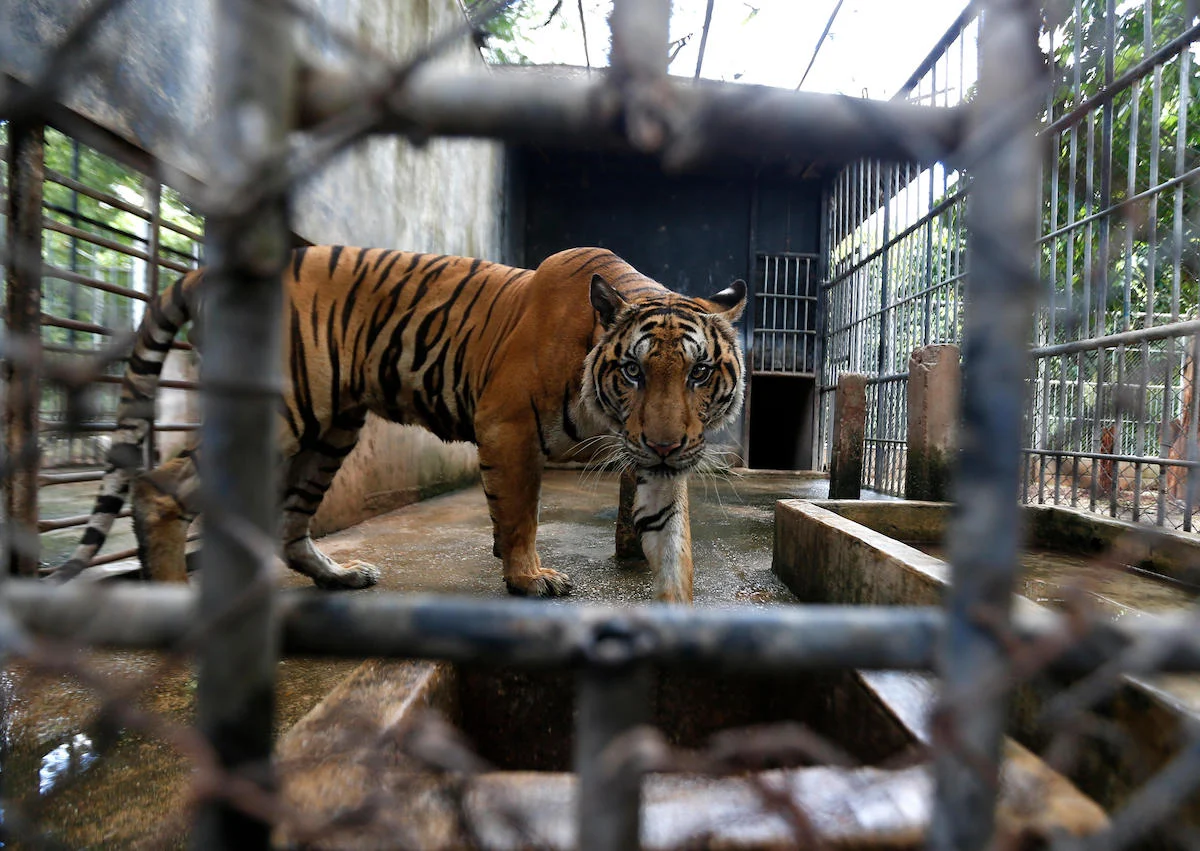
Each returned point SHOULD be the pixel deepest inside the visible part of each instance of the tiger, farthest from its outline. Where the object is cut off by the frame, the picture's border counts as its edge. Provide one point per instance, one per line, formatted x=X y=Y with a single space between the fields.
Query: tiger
x=529 y=365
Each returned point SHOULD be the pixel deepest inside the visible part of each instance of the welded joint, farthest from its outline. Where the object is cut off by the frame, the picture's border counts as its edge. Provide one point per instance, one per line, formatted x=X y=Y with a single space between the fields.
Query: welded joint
x=616 y=642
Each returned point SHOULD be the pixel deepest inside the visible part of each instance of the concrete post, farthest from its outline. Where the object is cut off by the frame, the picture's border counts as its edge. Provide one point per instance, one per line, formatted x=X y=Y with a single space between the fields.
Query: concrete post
x=849 y=421
x=629 y=545
x=934 y=382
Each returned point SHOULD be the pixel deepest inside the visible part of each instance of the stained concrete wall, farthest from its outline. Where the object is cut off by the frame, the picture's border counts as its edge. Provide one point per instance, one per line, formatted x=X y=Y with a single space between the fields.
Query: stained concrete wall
x=152 y=88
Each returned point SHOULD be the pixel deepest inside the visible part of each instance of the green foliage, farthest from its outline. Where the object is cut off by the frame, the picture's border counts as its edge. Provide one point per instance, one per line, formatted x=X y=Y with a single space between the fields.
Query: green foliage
x=510 y=33
x=1150 y=244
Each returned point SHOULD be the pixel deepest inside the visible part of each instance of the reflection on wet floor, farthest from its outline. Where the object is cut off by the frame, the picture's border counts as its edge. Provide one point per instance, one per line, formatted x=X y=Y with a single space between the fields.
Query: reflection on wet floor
x=137 y=791
x=66 y=762
x=1117 y=591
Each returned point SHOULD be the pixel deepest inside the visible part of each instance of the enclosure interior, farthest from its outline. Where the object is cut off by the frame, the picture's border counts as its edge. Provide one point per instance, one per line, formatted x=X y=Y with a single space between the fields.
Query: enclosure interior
x=696 y=232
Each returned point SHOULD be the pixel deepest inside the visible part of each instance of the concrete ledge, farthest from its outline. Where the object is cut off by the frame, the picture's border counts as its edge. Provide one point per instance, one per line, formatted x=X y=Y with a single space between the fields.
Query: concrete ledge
x=346 y=764
x=825 y=556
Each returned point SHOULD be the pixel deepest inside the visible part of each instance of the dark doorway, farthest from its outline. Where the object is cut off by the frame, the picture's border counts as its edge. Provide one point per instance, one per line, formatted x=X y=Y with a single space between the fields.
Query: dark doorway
x=781 y=422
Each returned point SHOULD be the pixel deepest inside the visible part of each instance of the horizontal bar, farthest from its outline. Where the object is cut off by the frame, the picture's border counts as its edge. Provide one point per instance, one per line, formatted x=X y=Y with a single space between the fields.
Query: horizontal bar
x=89 y=427
x=70 y=522
x=1124 y=338
x=1146 y=460
x=1161 y=189
x=47 y=479
x=706 y=119
x=172 y=383
x=114 y=201
x=49 y=271
x=112 y=244
x=887 y=379
x=95 y=239
x=93 y=328
x=787 y=255
x=539 y=633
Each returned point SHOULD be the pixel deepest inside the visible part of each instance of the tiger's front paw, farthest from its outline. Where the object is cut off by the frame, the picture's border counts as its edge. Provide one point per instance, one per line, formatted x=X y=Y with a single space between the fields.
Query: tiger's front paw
x=544 y=583
x=351 y=575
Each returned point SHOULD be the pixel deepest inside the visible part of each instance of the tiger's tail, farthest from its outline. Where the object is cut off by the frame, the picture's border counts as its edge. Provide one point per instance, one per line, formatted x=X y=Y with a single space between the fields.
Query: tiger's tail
x=164 y=316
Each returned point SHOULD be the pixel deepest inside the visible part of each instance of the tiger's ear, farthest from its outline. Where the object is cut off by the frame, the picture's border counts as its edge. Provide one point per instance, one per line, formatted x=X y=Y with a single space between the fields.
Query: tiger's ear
x=731 y=300
x=607 y=301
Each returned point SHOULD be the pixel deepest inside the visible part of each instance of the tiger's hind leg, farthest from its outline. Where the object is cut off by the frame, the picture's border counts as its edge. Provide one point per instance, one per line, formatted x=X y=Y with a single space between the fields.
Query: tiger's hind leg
x=164 y=504
x=309 y=474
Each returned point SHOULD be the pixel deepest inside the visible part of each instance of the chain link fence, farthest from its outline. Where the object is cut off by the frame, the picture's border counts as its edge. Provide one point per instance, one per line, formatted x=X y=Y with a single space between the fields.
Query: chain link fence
x=897 y=261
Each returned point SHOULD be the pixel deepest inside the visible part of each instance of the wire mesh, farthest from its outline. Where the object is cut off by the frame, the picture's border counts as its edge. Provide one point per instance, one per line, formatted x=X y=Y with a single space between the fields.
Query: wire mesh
x=897 y=261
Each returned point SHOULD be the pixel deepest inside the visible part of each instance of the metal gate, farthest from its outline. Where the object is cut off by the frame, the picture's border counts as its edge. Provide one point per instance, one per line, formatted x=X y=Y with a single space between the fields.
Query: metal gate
x=785 y=320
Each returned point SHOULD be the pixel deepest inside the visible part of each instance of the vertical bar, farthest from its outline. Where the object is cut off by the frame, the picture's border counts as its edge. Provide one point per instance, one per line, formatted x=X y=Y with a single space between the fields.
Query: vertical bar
x=235 y=701
x=73 y=245
x=610 y=701
x=1118 y=426
x=640 y=35
x=1192 y=453
x=26 y=171
x=153 y=191
x=881 y=362
x=984 y=536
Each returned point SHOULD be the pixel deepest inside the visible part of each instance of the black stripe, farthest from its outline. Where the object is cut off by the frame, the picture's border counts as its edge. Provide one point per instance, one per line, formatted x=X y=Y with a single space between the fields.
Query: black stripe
x=140 y=366
x=656 y=521
x=334 y=254
x=537 y=418
x=108 y=504
x=92 y=537
x=298 y=260
x=331 y=451
x=567 y=423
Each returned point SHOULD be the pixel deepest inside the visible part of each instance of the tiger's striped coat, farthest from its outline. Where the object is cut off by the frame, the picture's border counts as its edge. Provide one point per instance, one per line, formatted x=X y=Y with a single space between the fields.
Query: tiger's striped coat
x=527 y=364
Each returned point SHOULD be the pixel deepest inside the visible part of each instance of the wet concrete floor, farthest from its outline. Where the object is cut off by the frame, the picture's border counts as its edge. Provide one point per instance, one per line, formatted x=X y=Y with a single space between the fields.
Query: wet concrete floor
x=136 y=794
x=1116 y=591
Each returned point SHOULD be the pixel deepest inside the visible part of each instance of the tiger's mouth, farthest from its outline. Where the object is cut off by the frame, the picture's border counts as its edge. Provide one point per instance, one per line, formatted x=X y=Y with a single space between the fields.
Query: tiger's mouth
x=671 y=465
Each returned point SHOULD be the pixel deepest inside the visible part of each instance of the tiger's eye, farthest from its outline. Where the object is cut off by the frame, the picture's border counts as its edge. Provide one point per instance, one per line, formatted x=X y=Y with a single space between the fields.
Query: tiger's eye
x=701 y=372
x=631 y=371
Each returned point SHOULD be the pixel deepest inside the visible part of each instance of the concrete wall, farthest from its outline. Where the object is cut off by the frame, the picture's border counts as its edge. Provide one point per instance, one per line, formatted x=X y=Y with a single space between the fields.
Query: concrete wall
x=152 y=88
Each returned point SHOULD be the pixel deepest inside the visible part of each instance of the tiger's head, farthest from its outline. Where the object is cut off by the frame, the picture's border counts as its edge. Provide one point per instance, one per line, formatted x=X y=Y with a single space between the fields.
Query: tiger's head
x=667 y=370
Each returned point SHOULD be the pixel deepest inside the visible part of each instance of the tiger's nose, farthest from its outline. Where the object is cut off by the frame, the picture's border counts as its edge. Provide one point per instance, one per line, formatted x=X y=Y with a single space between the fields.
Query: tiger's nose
x=662 y=449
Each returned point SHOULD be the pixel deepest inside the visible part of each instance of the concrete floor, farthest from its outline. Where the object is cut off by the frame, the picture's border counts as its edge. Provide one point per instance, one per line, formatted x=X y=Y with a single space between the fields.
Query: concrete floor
x=444 y=544
x=136 y=793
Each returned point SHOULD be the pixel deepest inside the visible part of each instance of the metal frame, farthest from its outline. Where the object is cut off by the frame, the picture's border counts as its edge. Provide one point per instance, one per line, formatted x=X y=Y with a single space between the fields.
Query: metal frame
x=632 y=106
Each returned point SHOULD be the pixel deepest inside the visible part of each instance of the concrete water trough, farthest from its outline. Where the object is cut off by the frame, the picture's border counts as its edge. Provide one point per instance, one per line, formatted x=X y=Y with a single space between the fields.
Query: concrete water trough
x=354 y=755
x=891 y=553
x=506 y=783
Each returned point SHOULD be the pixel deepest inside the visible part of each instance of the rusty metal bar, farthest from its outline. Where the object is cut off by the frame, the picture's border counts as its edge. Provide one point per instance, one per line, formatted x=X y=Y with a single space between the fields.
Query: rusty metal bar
x=74 y=277
x=71 y=522
x=253 y=95
x=92 y=427
x=714 y=119
x=26 y=163
x=104 y=242
x=114 y=201
x=93 y=328
x=154 y=190
x=610 y=701
x=985 y=535
x=533 y=633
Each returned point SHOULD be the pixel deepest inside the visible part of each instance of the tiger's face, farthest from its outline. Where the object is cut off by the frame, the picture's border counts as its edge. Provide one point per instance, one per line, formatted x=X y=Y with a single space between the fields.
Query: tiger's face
x=667 y=370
